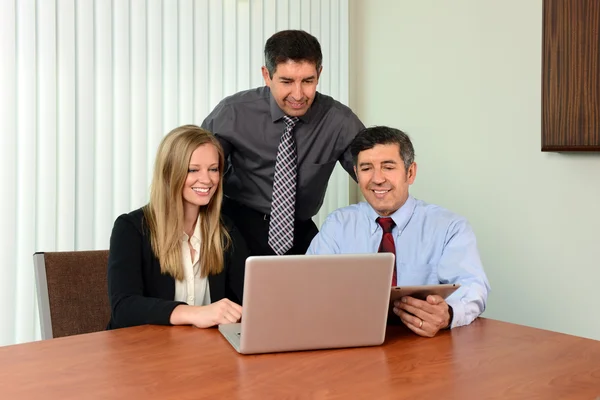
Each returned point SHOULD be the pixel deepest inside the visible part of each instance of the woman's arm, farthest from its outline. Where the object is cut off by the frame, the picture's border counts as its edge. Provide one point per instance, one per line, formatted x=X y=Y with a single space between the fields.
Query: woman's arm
x=223 y=311
x=125 y=280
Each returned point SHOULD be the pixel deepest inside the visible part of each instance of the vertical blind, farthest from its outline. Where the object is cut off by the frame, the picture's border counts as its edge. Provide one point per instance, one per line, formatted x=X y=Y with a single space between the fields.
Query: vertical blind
x=88 y=88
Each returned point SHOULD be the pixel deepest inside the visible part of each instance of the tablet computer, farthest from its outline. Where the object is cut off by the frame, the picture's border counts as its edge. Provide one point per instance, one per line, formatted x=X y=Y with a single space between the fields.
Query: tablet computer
x=421 y=292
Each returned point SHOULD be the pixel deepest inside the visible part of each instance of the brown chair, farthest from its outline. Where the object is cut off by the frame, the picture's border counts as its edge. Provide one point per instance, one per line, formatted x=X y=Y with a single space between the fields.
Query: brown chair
x=72 y=292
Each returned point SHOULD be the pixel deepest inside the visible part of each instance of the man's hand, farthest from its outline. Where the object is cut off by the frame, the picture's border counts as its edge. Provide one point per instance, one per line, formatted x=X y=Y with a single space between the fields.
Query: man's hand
x=425 y=318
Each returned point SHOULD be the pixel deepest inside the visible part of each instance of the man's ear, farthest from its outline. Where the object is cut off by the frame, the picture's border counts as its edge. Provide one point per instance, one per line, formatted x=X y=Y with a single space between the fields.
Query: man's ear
x=319 y=72
x=412 y=173
x=266 y=76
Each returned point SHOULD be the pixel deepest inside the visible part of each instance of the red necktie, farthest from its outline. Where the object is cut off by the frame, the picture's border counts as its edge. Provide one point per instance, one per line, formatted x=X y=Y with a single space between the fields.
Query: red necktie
x=387 y=240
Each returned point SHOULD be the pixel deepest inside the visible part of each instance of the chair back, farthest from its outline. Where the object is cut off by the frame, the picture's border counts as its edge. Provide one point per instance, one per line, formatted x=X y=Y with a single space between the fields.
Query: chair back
x=72 y=292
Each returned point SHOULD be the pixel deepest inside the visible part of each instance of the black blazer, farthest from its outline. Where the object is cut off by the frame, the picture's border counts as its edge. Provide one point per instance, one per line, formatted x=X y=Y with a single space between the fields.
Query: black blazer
x=139 y=294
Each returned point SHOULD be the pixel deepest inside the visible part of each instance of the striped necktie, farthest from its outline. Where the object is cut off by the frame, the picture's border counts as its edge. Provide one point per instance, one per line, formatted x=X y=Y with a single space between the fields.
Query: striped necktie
x=283 y=203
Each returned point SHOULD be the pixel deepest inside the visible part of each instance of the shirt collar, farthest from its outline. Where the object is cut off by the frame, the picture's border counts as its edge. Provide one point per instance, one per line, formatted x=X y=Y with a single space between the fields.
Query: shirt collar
x=277 y=113
x=401 y=216
x=195 y=235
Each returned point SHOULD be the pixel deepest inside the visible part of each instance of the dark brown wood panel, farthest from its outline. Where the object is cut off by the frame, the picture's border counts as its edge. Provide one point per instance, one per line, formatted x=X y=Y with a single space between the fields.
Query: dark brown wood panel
x=571 y=75
x=485 y=360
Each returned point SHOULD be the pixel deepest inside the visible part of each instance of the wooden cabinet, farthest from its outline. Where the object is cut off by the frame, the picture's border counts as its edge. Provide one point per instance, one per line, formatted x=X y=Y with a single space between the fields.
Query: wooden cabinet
x=571 y=75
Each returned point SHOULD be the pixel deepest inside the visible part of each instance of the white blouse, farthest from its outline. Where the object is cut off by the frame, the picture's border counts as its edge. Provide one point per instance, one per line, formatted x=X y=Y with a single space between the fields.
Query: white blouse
x=193 y=289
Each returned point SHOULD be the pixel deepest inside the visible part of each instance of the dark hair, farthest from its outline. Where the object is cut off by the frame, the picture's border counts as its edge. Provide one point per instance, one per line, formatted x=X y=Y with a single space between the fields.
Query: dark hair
x=369 y=137
x=292 y=45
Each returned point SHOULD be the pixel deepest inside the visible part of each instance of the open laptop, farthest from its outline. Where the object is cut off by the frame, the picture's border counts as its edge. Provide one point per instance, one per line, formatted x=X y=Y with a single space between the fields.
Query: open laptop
x=309 y=302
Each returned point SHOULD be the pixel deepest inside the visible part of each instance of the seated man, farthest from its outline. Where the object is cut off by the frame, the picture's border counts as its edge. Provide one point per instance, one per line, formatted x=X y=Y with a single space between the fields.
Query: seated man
x=432 y=245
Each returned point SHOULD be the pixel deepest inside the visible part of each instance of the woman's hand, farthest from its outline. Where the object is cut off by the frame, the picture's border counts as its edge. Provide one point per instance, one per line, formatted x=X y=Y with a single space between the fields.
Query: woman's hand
x=223 y=311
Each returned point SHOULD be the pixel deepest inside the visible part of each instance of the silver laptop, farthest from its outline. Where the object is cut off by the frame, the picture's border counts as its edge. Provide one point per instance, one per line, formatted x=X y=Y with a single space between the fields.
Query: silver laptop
x=308 y=302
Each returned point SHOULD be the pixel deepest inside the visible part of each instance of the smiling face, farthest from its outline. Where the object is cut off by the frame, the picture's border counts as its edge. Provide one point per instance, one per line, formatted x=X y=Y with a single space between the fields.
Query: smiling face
x=383 y=179
x=202 y=180
x=293 y=86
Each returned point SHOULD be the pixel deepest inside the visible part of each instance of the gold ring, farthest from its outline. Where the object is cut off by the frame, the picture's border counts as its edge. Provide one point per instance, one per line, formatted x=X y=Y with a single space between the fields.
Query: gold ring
x=421 y=325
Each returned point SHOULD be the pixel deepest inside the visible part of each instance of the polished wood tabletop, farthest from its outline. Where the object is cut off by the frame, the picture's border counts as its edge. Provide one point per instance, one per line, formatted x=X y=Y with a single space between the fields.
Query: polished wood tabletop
x=486 y=360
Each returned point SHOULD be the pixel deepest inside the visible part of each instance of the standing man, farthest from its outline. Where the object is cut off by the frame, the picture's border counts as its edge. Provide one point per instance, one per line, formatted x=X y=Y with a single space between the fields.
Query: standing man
x=282 y=142
x=432 y=245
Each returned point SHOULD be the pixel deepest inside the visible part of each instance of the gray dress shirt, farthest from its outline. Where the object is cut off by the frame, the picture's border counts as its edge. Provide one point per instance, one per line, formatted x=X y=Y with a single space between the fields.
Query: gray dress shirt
x=249 y=125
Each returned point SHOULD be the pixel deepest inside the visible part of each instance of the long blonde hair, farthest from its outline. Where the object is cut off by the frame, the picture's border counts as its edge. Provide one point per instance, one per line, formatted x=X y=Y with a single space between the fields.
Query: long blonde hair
x=164 y=213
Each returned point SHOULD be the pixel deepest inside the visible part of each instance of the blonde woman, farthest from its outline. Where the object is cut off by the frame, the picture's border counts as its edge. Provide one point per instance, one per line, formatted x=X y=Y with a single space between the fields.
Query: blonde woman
x=177 y=261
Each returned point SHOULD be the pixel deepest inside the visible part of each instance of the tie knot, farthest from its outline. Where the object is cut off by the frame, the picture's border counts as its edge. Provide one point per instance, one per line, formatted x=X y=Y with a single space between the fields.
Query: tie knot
x=386 y=224
x=290 y=121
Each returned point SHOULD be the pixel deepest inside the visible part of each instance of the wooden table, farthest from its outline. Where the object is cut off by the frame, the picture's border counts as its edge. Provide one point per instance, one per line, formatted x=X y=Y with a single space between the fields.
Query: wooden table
x=486 y=360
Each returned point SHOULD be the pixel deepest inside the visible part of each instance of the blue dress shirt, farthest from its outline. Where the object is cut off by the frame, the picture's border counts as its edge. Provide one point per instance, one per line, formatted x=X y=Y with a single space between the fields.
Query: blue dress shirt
x=433 y=245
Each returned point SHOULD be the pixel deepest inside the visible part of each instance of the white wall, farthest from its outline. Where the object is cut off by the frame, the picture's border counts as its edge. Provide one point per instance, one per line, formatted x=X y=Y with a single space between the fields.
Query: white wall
x=463 y=78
